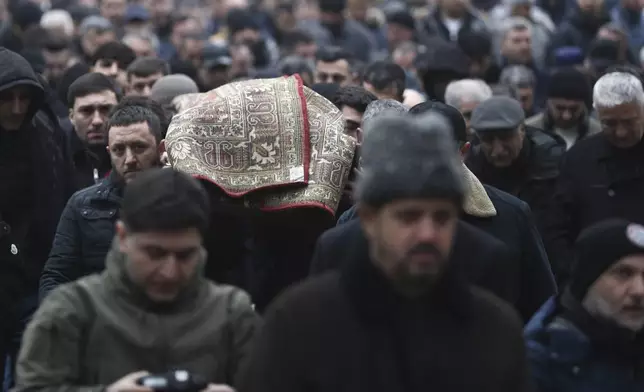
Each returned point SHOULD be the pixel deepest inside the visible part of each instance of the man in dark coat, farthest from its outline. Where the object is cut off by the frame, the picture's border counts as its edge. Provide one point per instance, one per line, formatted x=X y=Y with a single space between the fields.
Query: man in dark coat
x=397 y=317
x=602 y=176
x=34 y=179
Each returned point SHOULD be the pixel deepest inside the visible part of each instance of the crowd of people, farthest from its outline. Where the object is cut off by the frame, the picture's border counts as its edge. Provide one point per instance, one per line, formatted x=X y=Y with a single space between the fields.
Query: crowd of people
x=309 y=195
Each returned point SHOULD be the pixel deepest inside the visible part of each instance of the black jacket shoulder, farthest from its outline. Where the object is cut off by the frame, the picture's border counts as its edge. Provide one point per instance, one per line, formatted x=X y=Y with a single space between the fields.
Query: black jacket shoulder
x=547 y=154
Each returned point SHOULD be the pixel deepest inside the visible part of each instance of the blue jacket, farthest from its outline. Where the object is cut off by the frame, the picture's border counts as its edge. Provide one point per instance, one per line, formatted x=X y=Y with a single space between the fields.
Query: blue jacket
x=561 y=358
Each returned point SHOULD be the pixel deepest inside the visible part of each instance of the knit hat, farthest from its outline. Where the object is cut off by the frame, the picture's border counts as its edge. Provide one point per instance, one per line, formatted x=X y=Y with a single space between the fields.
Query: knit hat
x=599 y=247
x=569 y=83
x=409 y=157
x=402 y=18
x=171 y=86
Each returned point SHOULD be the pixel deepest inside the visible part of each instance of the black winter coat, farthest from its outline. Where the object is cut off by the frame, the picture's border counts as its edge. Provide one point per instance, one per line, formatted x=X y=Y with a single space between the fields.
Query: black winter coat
x=348 y=331
x=492 y=269
x=597 y=182
x=84 y=235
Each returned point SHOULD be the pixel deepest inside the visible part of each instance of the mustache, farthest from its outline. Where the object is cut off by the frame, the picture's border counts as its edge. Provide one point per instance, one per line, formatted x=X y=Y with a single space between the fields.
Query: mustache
x=425 y=248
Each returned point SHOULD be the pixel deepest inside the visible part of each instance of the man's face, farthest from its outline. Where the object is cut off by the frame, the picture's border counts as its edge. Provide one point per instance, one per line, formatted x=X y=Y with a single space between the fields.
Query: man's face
x=14 y=105
x=618 y=294
x=56 y=63
x=192 y=49
x=565 y=113
x=95 y=39
x=183 y=30
x=111 y=69
x=89 y=116
x=517 y=46
x=141 y=86
x=397 y=34
x=453 y=7
x=142 y=47
x=162 y=264
x=113 y=10
x=501 y=148
x=306 y=51
x=588 y=6
x=352 y=121
x=337 y=72
x=132 y=149
x=411 y=240
x=466 y=108
x=160 y=11
x=526 y=98
x=623 y=125
x=214 y=77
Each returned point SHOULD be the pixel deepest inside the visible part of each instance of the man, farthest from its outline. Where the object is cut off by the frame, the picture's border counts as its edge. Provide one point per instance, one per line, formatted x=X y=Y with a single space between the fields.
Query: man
x=144 y=44
x=601 y=176
x=143 y=73
x=385 y=80
x=519 y=160
x=215 y=71
x=58 y=57
x=292 y=65
x=244 y=29
x=401 y=28
x=477 y=46
x=90 y=98
x=516 y=42
x=590 y=337
x=86 y=228
x=567 y=117
x=466 y=95
x=300 y=43
x=94 y=32
x=136 y=19
x=154 y=278
x=353 y=102
x=114 y=11
x=333 y=65
x=171 y=86
x=524 y=81
x=112 y=60
x=492 y=211
x=35 y=173
x=629 y=16
x=401 y=319
x=449 y=18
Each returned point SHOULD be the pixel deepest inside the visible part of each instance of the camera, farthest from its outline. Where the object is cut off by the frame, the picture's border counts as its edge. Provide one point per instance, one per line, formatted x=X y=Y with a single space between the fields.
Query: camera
x=175 y=381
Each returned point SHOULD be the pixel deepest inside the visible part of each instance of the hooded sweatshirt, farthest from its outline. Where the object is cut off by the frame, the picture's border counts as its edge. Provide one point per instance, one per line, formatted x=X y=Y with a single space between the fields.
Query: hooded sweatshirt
x=90 y=333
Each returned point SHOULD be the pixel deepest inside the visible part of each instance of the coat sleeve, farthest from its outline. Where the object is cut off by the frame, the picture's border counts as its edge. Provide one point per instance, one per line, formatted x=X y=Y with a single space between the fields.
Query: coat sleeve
x=62 y=266
x=537 y=282
x=49 y=359
x=319 y=261
x=245 y=325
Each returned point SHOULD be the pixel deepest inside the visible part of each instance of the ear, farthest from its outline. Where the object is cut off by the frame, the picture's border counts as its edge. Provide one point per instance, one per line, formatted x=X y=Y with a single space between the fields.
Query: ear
x=465 y=149
x=368 y=219
x=71 y=114
x=161 y=148
x=359 y=135
x=121 y=234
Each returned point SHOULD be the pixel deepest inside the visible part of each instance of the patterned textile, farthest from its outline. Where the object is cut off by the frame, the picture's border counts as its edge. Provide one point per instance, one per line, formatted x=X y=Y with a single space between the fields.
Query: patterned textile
x=271 y=142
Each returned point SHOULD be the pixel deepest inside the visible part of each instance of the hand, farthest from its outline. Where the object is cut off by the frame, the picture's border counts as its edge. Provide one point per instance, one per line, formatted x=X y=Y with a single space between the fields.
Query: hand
x=129 y=383
x=218 y=388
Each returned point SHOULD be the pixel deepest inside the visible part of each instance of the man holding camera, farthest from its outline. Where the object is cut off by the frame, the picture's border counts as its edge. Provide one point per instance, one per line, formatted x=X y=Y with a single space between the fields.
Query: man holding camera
x=151 y=311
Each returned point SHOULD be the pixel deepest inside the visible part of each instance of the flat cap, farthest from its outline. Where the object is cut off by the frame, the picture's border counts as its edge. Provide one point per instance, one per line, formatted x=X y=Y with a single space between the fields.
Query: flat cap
x=497 y=113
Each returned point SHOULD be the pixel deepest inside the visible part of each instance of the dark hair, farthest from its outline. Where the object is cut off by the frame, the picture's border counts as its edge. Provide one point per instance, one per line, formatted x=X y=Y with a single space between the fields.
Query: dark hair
x=122 y=54
x=355 y=97
x=91 y=83
x=294 y=38
x=295 y=65
x=385 y=74
x=451 y=114
x=70 y=76
x=165 y=200
x=333 y=6
x=331 y=54
x=34 y=37
x=476 y=45
x=148 y=66
x=145 y=102
x=185 y=68
x=126 y=115
x=56 y=44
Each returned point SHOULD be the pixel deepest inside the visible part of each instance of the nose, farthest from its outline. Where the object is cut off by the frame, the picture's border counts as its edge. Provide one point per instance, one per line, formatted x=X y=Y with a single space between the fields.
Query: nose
x=130 y=158
x=97 y=119
x=497 y=147
x=566 y=115
x=637 y=286
x=169 y=268
x=146 y=91
x=114 y=69
x=426 y=230
x=18 y=106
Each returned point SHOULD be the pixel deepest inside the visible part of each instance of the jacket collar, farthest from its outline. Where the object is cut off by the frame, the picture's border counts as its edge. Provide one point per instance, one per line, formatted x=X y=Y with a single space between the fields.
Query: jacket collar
x=377 y=301
x=477 y=203
x=119 y=282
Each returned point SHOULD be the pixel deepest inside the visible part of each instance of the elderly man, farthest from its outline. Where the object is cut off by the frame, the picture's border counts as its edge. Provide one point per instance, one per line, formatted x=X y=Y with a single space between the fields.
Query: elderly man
x=590 y=338
x=400 y=319
x=602 y=176
x=466 y=95
x=520 y=160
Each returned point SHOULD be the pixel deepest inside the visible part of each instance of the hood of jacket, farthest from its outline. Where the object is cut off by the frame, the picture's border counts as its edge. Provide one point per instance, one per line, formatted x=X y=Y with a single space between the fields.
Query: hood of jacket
x=119 y=281
x=16 y=71
x=477 y=203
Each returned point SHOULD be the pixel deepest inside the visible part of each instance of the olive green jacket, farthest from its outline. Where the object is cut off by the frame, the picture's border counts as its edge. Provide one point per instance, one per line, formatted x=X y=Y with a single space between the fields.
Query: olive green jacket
x=89 y=333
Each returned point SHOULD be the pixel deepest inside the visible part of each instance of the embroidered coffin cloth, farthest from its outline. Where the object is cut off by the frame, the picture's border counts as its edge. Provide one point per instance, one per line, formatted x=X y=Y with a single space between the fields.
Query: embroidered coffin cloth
x=265 y=167
x=245 y=136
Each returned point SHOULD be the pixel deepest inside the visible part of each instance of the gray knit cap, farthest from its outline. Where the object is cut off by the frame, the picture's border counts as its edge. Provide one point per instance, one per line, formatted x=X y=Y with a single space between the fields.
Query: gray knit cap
x=171 y=86
x=409 y=157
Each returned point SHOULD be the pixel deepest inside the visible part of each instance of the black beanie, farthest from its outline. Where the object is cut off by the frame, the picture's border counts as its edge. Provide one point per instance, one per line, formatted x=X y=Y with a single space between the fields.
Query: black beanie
x=569 y=83
x=600 y=246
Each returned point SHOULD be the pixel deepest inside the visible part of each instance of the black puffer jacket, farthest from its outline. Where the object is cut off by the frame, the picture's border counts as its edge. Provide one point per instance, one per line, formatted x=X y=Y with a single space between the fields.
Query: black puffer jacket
x=35 y=169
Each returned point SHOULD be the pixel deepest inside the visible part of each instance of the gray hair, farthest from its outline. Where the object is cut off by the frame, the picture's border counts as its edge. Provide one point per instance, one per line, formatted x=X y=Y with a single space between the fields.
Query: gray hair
x=144 y=36
x=518 y=76
x=471 y=90
x=382 y=107
x=617 y=88
x=58 y=19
